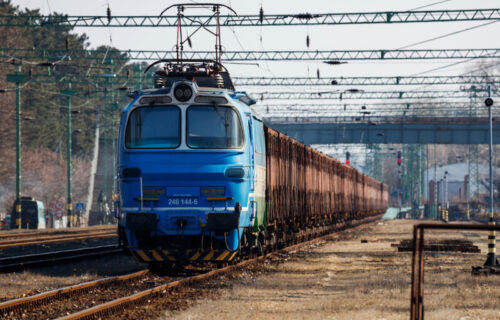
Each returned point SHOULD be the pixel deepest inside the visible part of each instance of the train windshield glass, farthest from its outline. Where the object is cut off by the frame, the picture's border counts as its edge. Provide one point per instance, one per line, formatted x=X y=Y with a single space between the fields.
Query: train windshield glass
x=157 y=127
x=213 y=127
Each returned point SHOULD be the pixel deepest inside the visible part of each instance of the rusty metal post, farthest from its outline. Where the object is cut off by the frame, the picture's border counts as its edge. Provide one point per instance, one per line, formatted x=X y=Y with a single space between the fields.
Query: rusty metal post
x=420 y=267
x=413 y=276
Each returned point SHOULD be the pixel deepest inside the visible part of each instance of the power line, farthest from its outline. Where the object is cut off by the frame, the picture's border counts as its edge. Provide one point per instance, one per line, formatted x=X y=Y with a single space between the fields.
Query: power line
x=447 y=35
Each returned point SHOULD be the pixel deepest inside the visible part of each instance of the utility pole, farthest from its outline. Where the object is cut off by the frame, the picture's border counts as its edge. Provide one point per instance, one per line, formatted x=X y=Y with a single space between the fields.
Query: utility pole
x=18 y=79
x=68 y=93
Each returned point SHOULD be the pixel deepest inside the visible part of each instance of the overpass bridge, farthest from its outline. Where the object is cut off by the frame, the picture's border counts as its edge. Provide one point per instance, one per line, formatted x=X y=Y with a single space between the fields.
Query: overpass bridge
x=385 y=130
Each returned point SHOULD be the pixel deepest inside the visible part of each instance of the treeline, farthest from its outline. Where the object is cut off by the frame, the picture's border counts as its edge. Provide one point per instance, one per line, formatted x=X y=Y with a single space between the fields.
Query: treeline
x=43 y=106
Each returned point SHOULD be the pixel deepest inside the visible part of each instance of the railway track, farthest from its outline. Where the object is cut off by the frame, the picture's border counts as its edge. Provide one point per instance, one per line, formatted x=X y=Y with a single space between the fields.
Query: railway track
x=13 y=243
x=59 y=302
x=16 y=233
x=50 y=258
x=123 y=301
x=19 y=240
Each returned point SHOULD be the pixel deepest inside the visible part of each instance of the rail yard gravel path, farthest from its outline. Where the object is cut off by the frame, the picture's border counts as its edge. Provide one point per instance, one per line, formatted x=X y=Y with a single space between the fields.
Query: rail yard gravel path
x=29 y=282
x=87 y=299
x=344 y=278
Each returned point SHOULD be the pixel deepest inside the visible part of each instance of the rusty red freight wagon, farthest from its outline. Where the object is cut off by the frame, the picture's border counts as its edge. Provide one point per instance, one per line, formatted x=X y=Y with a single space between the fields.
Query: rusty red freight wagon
x=306 y=187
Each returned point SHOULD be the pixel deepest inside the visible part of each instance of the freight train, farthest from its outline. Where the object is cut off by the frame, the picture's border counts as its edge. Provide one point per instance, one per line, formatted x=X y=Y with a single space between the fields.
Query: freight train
x=201 y=177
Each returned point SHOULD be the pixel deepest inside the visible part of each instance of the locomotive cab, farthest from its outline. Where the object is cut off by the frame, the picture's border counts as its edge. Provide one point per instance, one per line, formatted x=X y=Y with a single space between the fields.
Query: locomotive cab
x=186 y=168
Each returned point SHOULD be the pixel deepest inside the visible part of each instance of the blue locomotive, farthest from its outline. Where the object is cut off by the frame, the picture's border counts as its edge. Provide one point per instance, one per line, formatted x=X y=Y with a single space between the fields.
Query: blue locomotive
x=202 y=179
x=191 y=166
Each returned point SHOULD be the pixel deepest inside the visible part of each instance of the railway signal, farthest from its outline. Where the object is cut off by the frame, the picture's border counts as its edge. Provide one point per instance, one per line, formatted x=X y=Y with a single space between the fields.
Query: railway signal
x=347 y=157
x=399 y=158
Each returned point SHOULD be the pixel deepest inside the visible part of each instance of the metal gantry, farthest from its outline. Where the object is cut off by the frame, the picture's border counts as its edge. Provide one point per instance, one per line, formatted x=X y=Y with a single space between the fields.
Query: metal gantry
x=274 y=55
x=297 y=19
x=137 y=77
x=363 y=81
x=327 y=95
x=323 y=107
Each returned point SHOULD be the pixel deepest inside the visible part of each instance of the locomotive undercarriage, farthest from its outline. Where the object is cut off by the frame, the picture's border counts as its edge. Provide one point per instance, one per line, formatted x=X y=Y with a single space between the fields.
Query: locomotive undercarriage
x=160 y=252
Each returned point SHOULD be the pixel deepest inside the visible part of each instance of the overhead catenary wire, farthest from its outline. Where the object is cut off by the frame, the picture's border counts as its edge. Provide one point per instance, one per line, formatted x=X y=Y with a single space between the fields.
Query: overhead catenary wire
x=429 y=5
x=447 y=35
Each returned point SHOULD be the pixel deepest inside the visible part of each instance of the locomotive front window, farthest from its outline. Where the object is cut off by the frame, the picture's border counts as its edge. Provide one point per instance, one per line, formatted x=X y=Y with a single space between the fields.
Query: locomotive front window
x=156 y=127
x=213 y=127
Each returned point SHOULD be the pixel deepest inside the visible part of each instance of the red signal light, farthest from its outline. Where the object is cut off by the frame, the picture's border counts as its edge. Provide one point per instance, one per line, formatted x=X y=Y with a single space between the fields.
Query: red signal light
x=347 y=162
x=399 y=161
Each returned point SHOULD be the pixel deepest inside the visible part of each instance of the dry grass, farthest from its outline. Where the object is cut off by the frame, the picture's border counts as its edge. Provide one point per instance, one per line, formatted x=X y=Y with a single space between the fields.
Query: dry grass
x=348 y=279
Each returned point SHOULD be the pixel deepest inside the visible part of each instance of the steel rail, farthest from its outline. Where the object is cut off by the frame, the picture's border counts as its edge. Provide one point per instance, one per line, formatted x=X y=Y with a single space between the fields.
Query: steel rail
x=13 y=243
x=54 y=257
x=299 y=19
x=36 y=235
x=23 y=232
x=28 y=232
x=116 y=305
x=48 y=296
x=285 y=55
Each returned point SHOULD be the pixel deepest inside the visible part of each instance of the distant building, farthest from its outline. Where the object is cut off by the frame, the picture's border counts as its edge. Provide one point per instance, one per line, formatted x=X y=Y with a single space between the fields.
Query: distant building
x=456 y=180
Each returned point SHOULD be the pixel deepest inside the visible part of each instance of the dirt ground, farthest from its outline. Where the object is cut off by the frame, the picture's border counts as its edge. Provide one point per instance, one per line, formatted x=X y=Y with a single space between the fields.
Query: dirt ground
x=349 y=279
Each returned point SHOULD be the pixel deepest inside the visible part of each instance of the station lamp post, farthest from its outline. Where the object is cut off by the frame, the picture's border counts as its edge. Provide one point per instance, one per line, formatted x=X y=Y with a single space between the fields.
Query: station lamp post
x=491 y=259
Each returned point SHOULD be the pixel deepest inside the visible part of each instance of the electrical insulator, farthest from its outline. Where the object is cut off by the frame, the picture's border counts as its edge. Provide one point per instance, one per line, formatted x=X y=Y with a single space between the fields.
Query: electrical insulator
x=261 y=15
x=308 y=41
x=347 y=157
x=67 y=43
x=108 y=14
x=189 y=42
x=317 y=73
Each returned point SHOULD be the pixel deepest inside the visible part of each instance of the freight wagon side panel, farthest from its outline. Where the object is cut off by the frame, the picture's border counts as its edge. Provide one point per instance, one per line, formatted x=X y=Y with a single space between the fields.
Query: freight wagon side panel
x=304 y=183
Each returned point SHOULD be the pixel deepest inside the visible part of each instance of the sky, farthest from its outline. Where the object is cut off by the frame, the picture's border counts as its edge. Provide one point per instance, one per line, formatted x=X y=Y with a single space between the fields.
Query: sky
x=336 y=37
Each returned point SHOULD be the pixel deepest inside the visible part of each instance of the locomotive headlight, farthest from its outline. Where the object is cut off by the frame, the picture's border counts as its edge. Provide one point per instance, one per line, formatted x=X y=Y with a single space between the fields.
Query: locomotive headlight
x=210 y=100
x=183 y=92
x=235 y=172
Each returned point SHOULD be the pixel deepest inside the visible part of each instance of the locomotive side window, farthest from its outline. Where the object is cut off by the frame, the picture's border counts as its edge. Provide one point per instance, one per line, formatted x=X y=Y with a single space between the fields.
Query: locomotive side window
x=213 y=127
x=157 y=127
x=258 y=133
